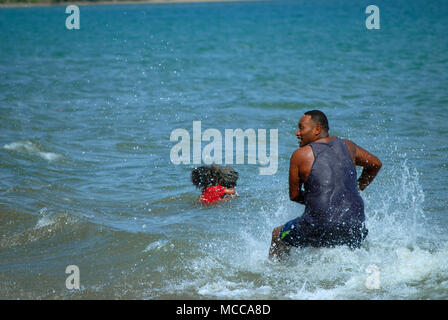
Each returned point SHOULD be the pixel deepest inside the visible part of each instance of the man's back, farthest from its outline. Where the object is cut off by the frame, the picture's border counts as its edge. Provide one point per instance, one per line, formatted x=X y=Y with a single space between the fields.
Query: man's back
x=331 y=196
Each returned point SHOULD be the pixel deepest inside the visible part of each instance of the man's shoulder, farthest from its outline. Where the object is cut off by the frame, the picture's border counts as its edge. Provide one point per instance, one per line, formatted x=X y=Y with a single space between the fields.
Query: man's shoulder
x=301 y=152
x=350 y=144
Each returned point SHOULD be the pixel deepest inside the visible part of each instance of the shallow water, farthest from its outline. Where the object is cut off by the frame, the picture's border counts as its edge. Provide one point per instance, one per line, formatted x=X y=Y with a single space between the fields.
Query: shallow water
x=86 y=175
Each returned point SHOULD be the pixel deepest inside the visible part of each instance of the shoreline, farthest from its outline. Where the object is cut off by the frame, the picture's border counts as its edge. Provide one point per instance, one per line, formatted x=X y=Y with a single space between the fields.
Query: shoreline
x=112 y=2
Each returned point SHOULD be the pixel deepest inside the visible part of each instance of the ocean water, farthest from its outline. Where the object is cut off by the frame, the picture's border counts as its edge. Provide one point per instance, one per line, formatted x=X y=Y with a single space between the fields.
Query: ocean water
x=86 y=177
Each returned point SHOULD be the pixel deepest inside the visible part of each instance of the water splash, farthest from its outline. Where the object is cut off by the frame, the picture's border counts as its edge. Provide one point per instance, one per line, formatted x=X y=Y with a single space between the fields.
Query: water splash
x=399 y=249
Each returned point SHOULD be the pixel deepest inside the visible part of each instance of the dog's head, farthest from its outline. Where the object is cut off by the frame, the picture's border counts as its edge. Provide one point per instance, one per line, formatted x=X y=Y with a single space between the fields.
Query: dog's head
x=226 y=175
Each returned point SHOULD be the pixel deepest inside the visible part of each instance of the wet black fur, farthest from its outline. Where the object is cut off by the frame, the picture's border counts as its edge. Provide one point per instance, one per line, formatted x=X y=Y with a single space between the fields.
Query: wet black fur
x=207 y=176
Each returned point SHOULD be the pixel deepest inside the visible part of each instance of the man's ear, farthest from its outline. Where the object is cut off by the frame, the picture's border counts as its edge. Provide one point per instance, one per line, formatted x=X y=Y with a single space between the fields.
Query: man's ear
x=317 y=129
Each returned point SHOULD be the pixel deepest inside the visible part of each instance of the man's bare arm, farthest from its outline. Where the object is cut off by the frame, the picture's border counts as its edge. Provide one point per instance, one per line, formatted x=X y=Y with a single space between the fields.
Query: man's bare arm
x=371 y=166
x=295 y=184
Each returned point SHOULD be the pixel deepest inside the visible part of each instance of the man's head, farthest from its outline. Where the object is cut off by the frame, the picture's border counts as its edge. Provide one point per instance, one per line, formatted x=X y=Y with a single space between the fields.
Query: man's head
x=312 y=126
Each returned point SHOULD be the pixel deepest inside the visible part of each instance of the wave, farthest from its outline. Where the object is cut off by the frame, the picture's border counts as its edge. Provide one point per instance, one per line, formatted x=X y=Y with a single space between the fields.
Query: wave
x=47 y=226
x=31 y=148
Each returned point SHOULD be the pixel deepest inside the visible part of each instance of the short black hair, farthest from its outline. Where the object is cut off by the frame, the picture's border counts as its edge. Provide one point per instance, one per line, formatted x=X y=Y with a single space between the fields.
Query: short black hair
x=319 y=117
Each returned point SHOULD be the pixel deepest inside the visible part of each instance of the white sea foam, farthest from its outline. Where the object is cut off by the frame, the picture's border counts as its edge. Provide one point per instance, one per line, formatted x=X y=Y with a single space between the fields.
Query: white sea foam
x=45 y=219
x=230 y=290
x=44 y=222
x=29 y=147
x=156 y=245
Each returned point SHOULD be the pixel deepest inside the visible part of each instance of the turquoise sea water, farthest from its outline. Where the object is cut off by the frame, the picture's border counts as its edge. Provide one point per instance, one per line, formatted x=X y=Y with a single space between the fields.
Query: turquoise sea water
x=86 y=177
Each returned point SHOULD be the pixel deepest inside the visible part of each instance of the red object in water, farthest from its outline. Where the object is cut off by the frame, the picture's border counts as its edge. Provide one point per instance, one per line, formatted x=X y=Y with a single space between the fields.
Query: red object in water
x=213 y=194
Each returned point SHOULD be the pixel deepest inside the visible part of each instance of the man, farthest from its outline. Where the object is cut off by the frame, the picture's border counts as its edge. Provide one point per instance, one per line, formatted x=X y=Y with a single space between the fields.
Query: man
x=334 y=210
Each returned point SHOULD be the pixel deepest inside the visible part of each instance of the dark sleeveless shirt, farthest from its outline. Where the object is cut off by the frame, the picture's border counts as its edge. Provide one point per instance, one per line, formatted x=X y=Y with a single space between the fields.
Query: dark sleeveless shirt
x=332 y=200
